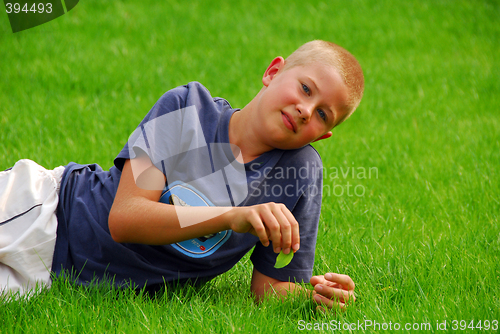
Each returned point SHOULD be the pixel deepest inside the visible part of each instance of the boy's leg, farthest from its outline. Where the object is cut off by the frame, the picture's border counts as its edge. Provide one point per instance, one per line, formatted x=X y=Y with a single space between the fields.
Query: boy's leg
x=28 y=201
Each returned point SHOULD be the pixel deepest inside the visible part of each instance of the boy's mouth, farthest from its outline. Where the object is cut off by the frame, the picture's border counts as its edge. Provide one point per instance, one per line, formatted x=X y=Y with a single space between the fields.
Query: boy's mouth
x=289 y=123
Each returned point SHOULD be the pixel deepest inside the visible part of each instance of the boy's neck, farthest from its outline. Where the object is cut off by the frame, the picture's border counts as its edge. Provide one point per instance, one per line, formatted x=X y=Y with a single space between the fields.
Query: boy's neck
x=242 y=134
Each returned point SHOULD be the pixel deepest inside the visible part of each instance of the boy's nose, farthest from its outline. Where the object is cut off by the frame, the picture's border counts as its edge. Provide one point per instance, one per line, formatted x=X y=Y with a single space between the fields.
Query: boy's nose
x=305 y=112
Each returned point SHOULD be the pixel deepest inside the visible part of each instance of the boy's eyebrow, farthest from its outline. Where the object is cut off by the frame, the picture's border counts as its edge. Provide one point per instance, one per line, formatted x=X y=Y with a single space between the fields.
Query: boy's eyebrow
x=314 y=84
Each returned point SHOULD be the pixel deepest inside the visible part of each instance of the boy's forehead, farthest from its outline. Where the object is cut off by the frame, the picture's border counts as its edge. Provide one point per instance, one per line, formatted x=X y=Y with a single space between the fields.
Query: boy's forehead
x=319 y=71
x=321 y=74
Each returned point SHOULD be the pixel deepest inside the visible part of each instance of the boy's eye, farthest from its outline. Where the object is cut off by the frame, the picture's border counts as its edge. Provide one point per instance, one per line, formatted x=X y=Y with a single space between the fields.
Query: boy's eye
x=306 y=89
x=322 y=114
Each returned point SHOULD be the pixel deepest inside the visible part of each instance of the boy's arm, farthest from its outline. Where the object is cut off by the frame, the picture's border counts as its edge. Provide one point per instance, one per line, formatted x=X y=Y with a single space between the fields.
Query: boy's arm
x=137 y=217
x=330 y=290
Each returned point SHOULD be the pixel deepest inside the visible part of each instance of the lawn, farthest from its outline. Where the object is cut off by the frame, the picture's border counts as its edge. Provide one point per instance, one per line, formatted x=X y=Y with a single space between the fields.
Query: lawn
x=411 y=201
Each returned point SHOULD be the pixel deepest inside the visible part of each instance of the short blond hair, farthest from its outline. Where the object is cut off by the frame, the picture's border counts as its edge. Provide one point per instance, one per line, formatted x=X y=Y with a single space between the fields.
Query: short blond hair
x=328 y=53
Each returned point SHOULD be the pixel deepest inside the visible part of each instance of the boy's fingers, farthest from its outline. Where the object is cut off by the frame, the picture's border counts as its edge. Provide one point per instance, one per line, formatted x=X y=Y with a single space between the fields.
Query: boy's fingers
x=334 y=293
x=322 y=301
x=273 y=226
x=318 y=279
x=295 y=241
x=285 y=228
x=281 y=227
x=259 y=229
x=343 y=280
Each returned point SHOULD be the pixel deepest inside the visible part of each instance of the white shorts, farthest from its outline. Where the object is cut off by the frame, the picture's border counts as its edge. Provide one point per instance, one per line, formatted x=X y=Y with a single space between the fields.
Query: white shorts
x=28 y=201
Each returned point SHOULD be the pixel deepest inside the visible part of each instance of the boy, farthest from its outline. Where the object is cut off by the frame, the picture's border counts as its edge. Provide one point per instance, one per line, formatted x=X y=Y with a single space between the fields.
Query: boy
x=197 y=186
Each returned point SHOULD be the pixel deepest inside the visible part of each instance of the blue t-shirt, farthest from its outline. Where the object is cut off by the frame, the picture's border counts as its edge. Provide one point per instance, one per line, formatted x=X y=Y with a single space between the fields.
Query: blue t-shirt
x=84 y=245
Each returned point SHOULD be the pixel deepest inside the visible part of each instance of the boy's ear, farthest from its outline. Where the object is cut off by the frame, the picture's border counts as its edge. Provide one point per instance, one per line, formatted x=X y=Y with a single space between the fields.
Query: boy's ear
x=326 y=135
x=272 y=69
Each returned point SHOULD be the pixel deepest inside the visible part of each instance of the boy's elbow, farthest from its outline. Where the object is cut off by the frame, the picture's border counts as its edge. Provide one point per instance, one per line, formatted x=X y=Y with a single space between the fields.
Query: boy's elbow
x=115 y=226
x=257 y=292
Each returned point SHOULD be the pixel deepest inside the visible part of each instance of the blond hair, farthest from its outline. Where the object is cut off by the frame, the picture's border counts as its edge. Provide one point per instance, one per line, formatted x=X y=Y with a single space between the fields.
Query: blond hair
x=331 y=54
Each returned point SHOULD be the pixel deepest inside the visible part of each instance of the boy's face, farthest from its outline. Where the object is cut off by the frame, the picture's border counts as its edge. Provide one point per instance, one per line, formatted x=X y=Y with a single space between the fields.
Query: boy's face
x=300 y=105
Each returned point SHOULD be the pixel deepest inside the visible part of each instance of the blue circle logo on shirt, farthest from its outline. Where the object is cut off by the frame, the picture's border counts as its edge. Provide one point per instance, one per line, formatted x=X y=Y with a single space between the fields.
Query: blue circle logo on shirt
x=183 y=194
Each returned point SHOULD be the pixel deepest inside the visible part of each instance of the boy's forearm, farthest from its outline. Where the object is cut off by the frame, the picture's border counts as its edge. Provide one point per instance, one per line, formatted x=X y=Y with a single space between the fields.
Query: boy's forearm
x=137 y=217
x=139 y=220
x=282 y=289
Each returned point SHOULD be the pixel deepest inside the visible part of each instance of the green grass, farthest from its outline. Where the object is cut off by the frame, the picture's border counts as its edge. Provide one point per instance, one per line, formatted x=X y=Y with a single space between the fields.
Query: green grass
x=422 y=242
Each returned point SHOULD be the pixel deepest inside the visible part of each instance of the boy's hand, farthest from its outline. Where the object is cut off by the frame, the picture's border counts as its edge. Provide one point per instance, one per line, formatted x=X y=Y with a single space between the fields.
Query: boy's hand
x=270 y=222
x=333 y=290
